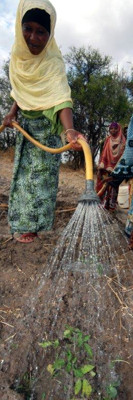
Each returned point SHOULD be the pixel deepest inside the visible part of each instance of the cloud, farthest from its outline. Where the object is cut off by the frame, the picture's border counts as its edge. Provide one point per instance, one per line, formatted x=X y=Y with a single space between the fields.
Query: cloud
x=6 y=36
x=102 y=24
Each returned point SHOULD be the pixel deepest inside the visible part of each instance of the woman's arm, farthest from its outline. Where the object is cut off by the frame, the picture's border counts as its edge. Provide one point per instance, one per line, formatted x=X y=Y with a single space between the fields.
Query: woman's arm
x=66 y=118
x=11 y=115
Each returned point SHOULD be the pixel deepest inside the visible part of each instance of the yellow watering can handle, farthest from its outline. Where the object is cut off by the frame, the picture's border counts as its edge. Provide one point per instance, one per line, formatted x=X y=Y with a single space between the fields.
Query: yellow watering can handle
x=88 y=158
x=85 y=147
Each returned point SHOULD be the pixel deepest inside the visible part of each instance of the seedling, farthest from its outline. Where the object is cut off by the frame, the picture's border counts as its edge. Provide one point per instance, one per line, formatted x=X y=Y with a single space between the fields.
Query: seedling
x=73 y=358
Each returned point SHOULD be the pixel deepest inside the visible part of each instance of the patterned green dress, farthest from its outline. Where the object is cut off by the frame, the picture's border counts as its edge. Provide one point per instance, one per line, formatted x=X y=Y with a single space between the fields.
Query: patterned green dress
x=34 y=185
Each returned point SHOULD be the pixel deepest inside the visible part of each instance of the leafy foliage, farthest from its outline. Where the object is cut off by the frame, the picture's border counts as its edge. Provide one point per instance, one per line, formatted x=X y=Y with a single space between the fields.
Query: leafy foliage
x=73 y=358
x=7 y=137
x=99 y=94
x=5 y=88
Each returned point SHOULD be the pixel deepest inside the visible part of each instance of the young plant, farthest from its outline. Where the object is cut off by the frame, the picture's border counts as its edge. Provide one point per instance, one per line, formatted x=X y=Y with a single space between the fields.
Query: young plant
x=73 y=358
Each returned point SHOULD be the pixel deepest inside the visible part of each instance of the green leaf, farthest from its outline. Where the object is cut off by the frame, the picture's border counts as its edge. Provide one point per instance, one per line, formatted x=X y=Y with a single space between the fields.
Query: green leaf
x=74 y=360
x=78 y=373
x=59 y=363
x=105 y=398
x=45 y=344
x=87 y=368
x=92 y=373
x=43 y=396
x=67 y=333
x=88 y=349
x=116 y=383
x=68 y=367
x=77 y=330
x=87 y=388
x=111 y=391
x=80 y=342
x=69 y=355
x=80 y=339
x=80 y=334
x=56 y=343
x=86 y=338
x=78 y=386
x=50 y=369
x=70 y=328
x=100 y=269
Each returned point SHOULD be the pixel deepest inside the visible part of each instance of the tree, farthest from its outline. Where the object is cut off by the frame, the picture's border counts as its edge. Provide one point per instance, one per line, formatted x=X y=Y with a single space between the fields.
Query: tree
x=130 y=85
x=99 y=95
x=7 y=137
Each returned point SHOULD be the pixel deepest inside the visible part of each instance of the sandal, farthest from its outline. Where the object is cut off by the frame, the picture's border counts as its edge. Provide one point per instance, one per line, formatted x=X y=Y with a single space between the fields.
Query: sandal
x=27 y=237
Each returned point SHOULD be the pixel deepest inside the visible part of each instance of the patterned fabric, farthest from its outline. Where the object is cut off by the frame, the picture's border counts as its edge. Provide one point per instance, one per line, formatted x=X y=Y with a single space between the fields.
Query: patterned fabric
x=111 y=153
x=108 y=195
x=110 y=198
x=112 y=150
x=35 y=180
x=124 y=168
x=51 y=115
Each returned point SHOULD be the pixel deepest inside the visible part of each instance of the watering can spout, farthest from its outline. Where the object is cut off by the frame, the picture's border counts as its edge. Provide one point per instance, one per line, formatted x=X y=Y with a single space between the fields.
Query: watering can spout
x=89 y=194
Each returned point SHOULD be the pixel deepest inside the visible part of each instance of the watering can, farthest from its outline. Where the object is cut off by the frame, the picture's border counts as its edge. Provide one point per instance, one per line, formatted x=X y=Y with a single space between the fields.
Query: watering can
x=89 y=194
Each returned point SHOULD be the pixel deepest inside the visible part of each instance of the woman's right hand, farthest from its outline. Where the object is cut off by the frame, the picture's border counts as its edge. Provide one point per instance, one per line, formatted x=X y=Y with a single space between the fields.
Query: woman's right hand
x=9 y=118
x=72 y=136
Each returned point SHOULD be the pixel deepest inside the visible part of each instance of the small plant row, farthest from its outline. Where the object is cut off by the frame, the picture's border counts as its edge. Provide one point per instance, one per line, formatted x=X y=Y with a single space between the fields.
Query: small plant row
x=74 y=360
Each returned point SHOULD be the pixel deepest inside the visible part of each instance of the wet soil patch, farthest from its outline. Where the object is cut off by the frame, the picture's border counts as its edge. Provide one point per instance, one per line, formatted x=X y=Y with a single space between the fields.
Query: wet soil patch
x=35 y=308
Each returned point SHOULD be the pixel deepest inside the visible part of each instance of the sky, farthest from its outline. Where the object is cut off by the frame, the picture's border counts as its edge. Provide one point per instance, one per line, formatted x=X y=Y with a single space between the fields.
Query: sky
x=105 y=25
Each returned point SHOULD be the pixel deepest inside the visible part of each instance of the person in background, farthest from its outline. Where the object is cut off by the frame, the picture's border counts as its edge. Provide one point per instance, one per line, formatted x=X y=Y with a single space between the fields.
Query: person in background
x=111 y=153
x=42 y=95
x=124 y=170
x=129 y=222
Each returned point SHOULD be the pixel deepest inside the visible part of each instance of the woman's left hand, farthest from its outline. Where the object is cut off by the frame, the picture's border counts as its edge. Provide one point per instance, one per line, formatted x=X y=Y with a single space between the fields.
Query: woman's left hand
x=72 y=136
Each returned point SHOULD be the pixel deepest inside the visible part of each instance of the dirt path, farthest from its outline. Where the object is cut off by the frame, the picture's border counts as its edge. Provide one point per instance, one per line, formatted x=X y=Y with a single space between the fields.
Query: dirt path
x=22 y=268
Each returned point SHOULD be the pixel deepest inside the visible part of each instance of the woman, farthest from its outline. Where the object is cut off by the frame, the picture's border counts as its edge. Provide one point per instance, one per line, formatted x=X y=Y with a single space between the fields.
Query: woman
x=124 y=170
x=42 y=95
x=112 y=151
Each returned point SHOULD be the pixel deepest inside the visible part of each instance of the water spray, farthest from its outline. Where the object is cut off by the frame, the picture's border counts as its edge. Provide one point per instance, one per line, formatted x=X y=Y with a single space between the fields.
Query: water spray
x=83 y=277
x=89 y=194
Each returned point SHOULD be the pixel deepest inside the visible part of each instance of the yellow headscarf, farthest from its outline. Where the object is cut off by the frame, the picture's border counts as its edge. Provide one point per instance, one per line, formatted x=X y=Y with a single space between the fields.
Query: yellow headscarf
x=38 y=82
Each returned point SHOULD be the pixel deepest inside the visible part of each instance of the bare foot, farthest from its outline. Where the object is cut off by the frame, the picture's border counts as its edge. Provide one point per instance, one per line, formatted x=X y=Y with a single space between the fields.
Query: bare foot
x=27 y=237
